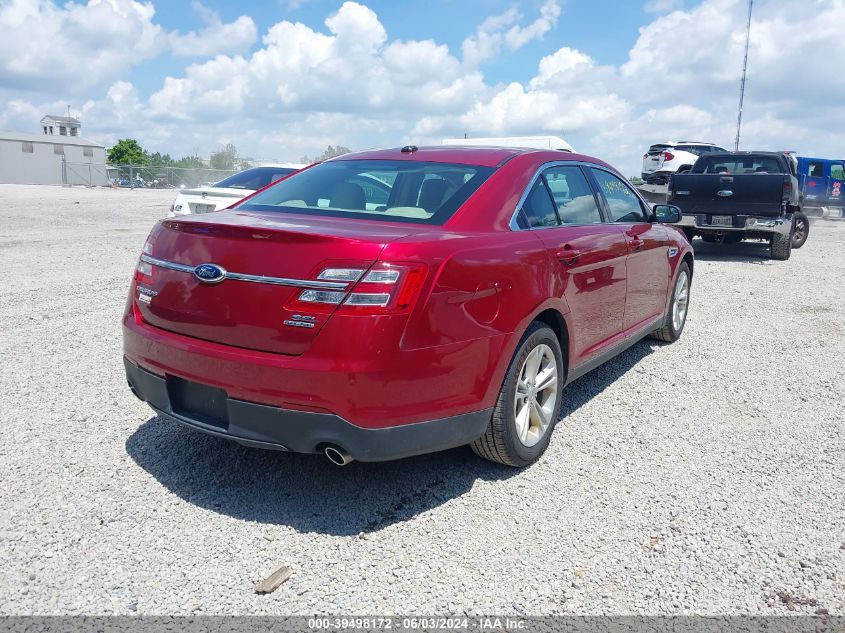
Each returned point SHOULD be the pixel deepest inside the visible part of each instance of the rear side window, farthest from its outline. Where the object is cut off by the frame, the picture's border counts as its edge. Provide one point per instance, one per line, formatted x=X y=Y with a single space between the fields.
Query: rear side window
x=623 y=204
x=538 y=208
x=572 y=195
x=398 y=191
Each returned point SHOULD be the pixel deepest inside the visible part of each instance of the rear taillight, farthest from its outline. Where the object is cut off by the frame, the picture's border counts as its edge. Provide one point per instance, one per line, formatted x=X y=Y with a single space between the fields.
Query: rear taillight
x=668 y=156
x=645 y=156
x=144 y=270
x=384 y=288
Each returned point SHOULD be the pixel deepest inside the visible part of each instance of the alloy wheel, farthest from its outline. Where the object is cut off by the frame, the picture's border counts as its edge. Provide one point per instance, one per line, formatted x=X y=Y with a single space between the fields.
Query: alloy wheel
x=536 y=397
x=679 y=306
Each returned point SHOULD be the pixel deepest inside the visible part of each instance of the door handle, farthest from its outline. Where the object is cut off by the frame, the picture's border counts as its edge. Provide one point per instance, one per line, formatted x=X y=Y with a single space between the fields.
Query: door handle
x=568 y=255
x=635 y=243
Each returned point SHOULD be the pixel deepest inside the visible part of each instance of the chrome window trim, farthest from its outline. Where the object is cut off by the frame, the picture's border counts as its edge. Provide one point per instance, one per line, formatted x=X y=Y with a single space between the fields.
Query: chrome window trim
x=513 y=226
x=259 y=279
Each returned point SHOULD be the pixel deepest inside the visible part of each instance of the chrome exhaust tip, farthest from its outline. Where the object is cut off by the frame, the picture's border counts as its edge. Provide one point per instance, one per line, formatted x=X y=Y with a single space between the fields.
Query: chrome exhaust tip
x=337 y=455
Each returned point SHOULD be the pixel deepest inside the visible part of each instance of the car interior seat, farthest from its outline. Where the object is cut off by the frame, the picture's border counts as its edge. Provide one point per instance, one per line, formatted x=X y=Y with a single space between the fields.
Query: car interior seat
x=432 y=192
x=348 y=195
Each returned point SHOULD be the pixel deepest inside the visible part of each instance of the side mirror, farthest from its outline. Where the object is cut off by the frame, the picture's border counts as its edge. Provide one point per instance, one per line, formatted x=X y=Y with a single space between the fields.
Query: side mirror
x=667 y=213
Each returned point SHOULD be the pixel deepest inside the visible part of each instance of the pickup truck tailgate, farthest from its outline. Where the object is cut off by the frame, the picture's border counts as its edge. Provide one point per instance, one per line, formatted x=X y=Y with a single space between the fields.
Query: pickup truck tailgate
x=728 y=194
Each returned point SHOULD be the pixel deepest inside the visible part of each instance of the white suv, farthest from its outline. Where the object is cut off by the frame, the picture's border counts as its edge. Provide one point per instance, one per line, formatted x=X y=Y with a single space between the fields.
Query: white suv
x=664 y=159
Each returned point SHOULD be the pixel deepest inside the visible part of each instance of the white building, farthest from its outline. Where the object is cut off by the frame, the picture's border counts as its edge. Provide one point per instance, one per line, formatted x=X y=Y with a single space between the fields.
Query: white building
x=56 y=159
x=60 y=125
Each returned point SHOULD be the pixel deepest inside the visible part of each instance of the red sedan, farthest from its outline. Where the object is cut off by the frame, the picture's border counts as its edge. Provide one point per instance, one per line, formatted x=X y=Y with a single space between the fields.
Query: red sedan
x=396 y=302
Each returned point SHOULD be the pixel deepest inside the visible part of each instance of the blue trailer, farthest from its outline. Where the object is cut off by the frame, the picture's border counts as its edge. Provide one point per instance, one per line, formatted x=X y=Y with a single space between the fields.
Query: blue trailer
x=821 y=182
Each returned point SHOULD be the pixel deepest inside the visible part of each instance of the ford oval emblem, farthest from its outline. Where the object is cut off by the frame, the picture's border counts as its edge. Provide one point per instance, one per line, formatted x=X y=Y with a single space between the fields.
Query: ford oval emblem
x=210 y=273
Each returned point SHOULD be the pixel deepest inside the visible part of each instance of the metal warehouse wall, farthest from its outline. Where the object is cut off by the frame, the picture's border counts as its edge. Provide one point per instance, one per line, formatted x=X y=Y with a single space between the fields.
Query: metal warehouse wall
x=44 y=167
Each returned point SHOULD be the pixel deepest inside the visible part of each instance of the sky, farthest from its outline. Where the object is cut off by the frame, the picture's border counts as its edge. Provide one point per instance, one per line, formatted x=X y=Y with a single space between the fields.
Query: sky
x=281 y=79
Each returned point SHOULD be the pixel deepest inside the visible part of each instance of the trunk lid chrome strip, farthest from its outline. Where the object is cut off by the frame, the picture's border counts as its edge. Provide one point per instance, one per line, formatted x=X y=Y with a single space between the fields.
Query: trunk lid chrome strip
x=260 y=279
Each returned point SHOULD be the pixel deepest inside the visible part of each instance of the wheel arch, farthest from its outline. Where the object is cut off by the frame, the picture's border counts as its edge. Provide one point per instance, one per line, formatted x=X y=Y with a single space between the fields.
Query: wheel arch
x=689 y=260
x=554 y=319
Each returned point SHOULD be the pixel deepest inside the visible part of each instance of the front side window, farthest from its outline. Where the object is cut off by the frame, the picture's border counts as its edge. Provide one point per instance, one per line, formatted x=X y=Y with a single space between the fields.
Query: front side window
x=623 y=204
x=837 y=171
x=402 y=191
x=572 y=195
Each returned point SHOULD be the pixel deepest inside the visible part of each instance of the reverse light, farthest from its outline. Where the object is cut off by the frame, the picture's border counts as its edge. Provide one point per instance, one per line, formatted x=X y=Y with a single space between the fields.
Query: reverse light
x=341 y=274
x=383 y=288
x=322 y=296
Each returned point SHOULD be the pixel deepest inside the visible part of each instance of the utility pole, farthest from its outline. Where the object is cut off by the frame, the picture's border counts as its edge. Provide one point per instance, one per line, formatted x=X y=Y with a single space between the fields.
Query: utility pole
x=744 y=68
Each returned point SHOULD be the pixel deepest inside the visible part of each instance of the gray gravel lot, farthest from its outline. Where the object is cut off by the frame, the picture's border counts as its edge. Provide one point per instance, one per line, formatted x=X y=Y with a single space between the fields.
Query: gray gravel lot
x=703 y=477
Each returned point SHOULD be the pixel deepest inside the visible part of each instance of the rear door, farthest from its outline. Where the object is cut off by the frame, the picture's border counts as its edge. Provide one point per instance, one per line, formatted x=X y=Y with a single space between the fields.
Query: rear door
x=588 y=256
x=647 y=267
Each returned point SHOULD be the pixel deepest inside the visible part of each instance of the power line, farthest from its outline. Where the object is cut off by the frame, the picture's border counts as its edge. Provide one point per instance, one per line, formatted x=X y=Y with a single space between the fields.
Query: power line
x=744 y=68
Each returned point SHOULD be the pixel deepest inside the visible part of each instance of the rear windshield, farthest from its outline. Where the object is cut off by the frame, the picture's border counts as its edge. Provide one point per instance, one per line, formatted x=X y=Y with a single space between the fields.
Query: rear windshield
x=254 y=178
x=397 y=191
x=736 y=165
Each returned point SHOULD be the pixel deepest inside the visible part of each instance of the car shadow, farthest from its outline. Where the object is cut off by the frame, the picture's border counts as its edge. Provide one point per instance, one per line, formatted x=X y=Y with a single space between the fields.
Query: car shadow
x=307 y=492
x=584 y=389
x=754 y=252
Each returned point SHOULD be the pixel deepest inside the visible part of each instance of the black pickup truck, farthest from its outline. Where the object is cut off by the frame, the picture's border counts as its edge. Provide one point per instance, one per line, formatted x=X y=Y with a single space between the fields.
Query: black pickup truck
x=730 y=196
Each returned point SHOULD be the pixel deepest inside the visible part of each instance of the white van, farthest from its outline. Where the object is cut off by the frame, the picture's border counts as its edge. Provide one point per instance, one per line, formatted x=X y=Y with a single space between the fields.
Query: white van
x=534 y=142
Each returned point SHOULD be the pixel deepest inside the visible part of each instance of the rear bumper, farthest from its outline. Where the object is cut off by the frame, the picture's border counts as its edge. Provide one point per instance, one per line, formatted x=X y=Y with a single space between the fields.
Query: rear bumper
x=263 y=426
x=659 y=177
x=700 y=222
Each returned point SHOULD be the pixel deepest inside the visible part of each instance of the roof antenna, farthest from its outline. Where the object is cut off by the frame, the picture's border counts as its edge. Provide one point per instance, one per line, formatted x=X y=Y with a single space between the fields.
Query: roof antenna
x=744 y=67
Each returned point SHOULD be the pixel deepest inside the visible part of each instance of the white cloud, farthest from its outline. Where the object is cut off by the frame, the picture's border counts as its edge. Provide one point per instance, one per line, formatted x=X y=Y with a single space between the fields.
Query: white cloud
x=348 y=82
x=216 y=37
x=76 y=46
x=502 y=29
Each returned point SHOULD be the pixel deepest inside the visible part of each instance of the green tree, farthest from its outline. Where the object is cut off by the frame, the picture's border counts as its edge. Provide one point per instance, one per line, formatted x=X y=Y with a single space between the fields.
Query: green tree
x=330 y=152
x=224 y=158
x=161 y=160
x=189 y=161
x=127 y=151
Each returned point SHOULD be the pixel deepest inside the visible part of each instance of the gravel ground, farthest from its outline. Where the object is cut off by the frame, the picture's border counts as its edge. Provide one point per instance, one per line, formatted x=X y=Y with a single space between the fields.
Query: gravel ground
x=702 y=477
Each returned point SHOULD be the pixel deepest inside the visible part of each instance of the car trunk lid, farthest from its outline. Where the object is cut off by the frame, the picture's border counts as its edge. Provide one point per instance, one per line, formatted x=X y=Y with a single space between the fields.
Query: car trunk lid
x=268 y=259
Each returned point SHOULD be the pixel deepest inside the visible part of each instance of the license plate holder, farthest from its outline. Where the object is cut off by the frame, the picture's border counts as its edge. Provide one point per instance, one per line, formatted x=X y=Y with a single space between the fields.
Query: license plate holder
x=722 y=220
x=203 y=208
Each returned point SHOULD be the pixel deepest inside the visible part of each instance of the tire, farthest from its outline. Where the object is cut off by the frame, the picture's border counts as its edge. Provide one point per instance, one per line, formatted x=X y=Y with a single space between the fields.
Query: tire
x=781 y=246
x=676 y=318
x=505 y=441
x=800 y=229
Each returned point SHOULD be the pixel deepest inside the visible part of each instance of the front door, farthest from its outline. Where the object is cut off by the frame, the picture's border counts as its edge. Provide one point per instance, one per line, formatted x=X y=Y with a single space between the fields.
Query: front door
x=647 y=270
